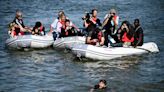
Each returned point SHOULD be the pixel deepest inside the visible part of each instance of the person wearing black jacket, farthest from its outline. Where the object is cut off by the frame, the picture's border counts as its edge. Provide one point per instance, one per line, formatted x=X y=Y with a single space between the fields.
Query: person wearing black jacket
x=110 y=25
x=139 y=36
x=95 y=36
x=95 y=20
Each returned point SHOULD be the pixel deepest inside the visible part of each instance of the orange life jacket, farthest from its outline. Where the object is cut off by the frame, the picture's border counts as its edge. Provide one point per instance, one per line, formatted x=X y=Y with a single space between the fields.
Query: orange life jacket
x=94 y=19
x=62 y=22
x=15 y=32
x=21 y=33
x=41 y=28
x=115 y=20
x=126 y=39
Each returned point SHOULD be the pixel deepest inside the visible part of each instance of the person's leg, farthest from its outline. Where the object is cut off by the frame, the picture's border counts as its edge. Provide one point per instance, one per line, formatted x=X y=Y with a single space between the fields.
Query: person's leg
x=106 y=38
x=54 y=35
x=115 y=38
x=117 y=45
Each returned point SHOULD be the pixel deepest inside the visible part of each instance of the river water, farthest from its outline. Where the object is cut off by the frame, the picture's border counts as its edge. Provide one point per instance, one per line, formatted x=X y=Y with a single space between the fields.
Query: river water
x=50 y=70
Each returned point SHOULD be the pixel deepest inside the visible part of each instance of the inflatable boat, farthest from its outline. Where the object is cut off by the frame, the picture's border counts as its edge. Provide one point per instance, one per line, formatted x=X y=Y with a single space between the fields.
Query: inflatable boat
x=68 y=42
x=107 y=53
x=29 y=41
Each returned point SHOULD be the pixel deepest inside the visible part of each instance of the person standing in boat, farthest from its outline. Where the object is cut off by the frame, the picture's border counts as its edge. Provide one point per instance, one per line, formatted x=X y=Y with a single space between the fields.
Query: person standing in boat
x=19 y=27
x=95 y=35
x=38 y=29
x=139 y=36
x=94 y=19
x=110 y=25
x=126 y=34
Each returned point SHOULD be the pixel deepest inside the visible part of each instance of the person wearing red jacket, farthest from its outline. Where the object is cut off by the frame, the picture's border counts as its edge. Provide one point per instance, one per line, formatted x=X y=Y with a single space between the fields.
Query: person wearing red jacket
x=126 y=34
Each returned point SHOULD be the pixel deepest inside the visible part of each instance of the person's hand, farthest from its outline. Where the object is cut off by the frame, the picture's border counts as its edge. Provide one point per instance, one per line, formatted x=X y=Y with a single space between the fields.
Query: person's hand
x=85 y=24
x=78 y=29
x=94 y=40
x=84 y=17
x=119 y=31
x=63 y=26
x=119 y=38
x=30 y=28
x=97 y=44
x=108 y=16
x=36 y=30
x=126 y=27
x=67 y=28
x=122 y=27
x=101 y=43
x=91 y=20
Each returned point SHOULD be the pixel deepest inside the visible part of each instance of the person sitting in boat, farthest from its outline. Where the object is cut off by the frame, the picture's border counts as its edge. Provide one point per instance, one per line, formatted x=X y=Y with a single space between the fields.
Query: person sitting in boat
x=53 y=28
x=38 y=29
x=139 y=36
x=12 y=30
x=57 y=25
x=101 y=86
x=67 y=30
x=110 y=25
x=60 y=25
x=95 y=35
x=87 y=26
x=19 y=27
x=126 y=34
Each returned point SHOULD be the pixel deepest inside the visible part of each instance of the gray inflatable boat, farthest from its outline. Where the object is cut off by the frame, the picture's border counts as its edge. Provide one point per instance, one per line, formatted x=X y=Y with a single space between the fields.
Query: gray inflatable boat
x=29 y=41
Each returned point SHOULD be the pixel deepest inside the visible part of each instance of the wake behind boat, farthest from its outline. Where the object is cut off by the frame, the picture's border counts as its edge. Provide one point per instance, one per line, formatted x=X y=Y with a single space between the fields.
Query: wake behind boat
x=29 y=41
x=100 y=53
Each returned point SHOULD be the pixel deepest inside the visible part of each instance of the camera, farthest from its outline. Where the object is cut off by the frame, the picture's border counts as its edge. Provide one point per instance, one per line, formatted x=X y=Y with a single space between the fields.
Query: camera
x=87 y=16
x=124 y=30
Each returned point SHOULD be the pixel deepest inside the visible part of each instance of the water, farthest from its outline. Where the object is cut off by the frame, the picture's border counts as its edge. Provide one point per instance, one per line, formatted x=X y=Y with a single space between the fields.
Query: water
x=50 y=70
